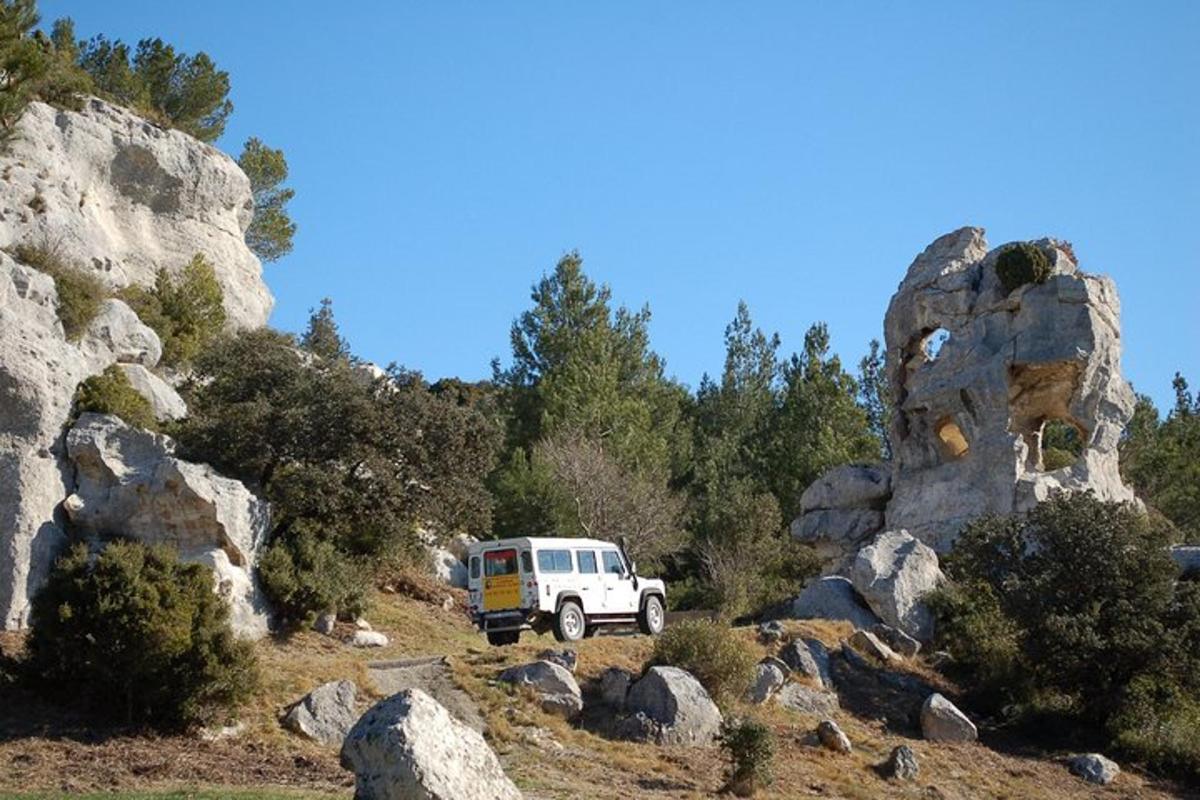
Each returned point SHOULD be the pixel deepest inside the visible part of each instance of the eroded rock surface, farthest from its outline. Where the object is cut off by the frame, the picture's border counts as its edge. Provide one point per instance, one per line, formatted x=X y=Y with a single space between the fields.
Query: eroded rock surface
x=325 y=714
x=893 y=575
x=673 y=708
x=124 y=198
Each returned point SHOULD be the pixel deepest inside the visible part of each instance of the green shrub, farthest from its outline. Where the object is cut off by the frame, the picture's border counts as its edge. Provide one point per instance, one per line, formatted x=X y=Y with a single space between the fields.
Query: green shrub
x=750 y=746
x=1074 y=613
x=1158 y=723
x=1022 y=263
x=305 y=576
x=79 y=294
x=110 y=392
x=185 y=311
x=137 y=635
x=711 y=652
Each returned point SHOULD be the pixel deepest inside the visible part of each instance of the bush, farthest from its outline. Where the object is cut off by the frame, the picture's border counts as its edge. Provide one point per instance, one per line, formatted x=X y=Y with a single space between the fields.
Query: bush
x=110 y=392
x=1022 y=263
x=79 y=294
x=1074 y=612
x=711 y=652
x=750 y=746
x=185 y=311
x=138 y=636
x=305 y=576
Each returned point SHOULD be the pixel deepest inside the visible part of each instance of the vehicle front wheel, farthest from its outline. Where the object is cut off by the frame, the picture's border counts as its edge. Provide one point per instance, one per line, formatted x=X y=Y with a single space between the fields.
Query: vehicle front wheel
x=652 y=617
x=569 y=625
x=502 y=638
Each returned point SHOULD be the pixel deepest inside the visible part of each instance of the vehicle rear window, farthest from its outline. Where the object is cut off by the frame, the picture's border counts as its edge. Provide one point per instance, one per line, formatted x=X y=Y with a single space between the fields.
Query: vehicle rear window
x=612 y=563
x=500 y=562
x=554 y=560
x=587 y=561
x=526 y=562
x=474 y=567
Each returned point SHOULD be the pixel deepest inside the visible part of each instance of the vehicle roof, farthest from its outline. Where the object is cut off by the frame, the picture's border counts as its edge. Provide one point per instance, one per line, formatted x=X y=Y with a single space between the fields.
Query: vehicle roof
x=542 y=543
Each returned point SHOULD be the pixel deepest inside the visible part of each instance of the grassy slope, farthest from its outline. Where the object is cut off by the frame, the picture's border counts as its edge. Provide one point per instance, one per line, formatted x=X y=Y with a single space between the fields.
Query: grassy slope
x=546 y=756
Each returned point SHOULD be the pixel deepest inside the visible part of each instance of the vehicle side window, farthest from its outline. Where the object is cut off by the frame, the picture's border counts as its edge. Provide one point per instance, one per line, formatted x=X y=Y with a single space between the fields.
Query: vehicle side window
x=554 y=560
x=474 y=568
x=526 y=562
x=587 y=561
x=612 y=563
x=499 y=562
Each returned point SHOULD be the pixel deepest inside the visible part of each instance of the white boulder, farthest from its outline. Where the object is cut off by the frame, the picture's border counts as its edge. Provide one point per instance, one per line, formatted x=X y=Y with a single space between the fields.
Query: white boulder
x=832 y=597
x=325 y=714
x=553 y=683
x=893 y=575
x=164 y=401
x=678 y=706
x=941 y=721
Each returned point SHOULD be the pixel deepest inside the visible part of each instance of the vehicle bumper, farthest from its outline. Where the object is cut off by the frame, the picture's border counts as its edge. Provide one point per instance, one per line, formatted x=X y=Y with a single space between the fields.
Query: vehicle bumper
x=513 y=620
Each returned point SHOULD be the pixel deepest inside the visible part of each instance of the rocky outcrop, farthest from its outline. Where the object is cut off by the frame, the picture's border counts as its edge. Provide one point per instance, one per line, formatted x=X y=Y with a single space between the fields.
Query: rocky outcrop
x=39 y=371
x=673 y=708
x=164 y=401
x=893 y=575
x=977 y=374
x=325 y=714
x=553 y=683
x=124 y=198
x=409 y=746
x=128 y=482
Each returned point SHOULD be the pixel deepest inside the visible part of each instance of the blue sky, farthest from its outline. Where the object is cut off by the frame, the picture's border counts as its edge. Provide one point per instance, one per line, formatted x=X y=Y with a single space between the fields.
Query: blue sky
x=794 y=155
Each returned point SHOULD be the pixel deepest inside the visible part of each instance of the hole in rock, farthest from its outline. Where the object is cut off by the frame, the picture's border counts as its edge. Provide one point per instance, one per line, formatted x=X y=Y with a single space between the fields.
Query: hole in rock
x=933 y=343
x=1061 y=443
x=951 y=440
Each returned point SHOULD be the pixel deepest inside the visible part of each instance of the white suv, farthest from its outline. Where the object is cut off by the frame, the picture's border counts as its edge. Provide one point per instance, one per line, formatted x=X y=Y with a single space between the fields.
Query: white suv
x=569 y=586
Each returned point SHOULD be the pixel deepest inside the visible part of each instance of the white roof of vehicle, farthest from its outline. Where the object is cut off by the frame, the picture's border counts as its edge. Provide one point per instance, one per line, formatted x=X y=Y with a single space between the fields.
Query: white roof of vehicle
x=543 y=543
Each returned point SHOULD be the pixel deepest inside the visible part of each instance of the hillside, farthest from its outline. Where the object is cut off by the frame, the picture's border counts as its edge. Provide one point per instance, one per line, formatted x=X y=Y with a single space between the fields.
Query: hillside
x=545 y=756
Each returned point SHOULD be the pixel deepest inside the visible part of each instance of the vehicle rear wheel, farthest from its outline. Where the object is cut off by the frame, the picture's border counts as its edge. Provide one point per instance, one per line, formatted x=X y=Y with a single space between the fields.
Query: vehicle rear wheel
x=652 y=617
x=569 y=624
x=502 y=638
x=590 y=631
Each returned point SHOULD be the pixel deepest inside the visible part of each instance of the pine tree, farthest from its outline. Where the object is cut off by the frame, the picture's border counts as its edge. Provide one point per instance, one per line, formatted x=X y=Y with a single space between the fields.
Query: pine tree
x=874 y=396
x=322 y=337
x=271 y=231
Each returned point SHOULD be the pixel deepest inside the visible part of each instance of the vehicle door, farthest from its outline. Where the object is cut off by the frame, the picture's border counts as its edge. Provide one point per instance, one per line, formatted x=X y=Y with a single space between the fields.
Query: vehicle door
x=619 y=595
x=501 y=581
x=556 y=572
x=591 y=581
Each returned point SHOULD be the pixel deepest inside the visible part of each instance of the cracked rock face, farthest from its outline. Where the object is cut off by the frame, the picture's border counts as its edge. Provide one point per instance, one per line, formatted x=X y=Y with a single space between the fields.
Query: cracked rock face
x=124 y=198
x=978 y=376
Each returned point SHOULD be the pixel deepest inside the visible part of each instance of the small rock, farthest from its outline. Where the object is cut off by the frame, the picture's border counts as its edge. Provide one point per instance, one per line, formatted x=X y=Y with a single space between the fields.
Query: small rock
x=325 y=714
x=941 y=721
x=1093 y=768
x=868 y=643
x=614 y=686
x=363 y=625
x=564 y=658
x=799 y=697
x=809 y=658
x=833 y=737
x=902 y=764
x=222 y=732
x=369 y=639
x=897 y=639
x=767 y=679
x=771 y=631
x=553 y=683
x=448 y=603
x=325 y=623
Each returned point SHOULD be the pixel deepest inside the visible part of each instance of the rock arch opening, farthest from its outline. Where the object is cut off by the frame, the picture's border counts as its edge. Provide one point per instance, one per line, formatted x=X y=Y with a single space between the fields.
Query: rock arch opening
x=952 y=442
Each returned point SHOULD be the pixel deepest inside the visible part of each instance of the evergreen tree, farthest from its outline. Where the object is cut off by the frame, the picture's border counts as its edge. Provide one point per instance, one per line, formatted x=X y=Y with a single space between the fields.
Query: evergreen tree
x=874 y=396
x=1161 y=459
x=271 y=231
x=322 y=337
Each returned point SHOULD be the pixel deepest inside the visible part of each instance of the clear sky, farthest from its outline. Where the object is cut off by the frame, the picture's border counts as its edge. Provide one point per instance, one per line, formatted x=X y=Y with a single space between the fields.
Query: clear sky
x=796 y=155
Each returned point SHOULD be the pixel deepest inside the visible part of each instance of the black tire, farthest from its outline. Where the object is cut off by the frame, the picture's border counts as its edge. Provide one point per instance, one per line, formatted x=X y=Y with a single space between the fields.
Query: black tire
x=652 y=618
x=590 y=631
x=569 y=623
x=503 y=638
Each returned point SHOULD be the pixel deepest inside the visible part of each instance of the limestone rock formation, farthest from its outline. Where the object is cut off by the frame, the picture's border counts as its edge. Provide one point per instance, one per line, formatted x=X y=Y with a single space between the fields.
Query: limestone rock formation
x=129 y=483
x=842 y=508
x=162 y=397
x=124 y=197
x=832 y=597
x=39 y=371
x=977 y=375
x=553 y=683
x=325 y=714
x=893 y=574
x=410 y=746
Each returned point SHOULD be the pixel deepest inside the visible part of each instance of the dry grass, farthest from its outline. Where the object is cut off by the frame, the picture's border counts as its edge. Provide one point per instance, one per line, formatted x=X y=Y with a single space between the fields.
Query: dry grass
x=546 y=756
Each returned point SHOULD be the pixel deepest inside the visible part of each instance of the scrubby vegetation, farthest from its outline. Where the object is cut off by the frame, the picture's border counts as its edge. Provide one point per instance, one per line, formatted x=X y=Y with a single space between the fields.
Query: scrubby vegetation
x=110 y=392
x=137 y=636
x=351 y=467
x=750 y=746
x=79 y=293
x=185 y=311
x=1074 y=614
x=1020 y=264
x=711 y=652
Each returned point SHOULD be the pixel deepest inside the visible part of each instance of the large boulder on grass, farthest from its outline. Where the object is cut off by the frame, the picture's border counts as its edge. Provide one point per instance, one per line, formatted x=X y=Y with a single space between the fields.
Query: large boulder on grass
x=408 y=746
x=553 y=683
x=894 y=574
x=325 y=714
x=678 y=706
x=941 y=721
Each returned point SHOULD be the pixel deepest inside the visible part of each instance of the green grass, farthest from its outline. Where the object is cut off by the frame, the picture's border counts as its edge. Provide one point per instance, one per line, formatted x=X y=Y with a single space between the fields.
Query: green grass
x=186 y=794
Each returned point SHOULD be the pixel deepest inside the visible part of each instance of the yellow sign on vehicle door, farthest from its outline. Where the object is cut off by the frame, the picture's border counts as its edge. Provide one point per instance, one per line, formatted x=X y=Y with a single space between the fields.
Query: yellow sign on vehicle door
x=501 y=580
